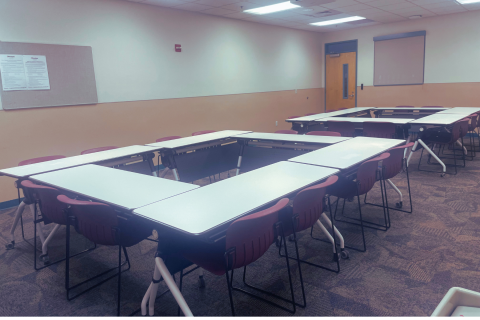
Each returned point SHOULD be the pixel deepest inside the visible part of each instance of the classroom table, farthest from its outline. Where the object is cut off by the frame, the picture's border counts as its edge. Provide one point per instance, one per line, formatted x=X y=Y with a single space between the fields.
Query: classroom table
x=438 y=119
x=466 y=111
x=348 y=154
x=307 y=123
x=206 y=212
x=412 y=113
x=123 y=190
x=258 y=149
x=400 y=123
x=114 y=157
x=196 y=157
x=133 y=158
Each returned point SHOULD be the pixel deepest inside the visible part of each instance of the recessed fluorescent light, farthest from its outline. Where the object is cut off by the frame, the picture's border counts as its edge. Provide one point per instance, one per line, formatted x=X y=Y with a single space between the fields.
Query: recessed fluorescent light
x=337 y=21
x=467 y=1
x=273 y=8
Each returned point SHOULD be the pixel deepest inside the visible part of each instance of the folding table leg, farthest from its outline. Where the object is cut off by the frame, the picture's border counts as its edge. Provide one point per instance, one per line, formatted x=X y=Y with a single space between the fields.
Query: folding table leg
x=337 y=233
x=240 y=154
x=162 y=270
x=396 y=189
x=18 y=214
x=411 y=152
x=39 y=226
x=44 y=255
x=432 y=154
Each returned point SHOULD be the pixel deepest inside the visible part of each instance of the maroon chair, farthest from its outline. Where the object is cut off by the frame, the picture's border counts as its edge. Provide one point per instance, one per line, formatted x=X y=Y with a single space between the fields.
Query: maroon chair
x=443 y=137
x=346 y=129
x=323 y=133
x=202 y=132
x=100 y=224
x=307 y=209
x=98 y=149
x=432 y=107
x=392 y=166
x=168 y=138
x=379 y=129
x=293 y=117
x=287 y=131
x=342 y=109
x=38 y=160
x=52 y=212
x=25 y=202
x=310 y=114
x=366 y=177
x=246 y=240
x=471 y=129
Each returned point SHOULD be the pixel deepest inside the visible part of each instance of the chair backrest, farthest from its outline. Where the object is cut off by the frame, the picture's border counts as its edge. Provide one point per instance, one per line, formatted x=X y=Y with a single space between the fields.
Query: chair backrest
x=98 y=149
x=167 y=138
x=95 y=221
x=202 y=132
x=379 y=129
x=324 y=133
x=287 y=131
x=404 y=107
x=342 y=109
x=394 y=164
x=293 y=117
x=308 y=204
x=309 y=114
x=346 y=129
x=367 y=173
x=432 y=107
x=50 y=208
x=464 y=124
x=252 y=235
x=40 y=159
x=473 y=122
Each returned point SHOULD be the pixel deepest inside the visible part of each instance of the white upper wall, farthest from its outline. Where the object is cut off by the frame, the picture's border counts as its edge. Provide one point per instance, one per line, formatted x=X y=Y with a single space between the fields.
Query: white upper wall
x=133 y=48
x=452 y=52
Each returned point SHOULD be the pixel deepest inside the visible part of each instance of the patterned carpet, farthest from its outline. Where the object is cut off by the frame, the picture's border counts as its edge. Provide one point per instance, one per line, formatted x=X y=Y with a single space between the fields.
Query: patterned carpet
x=405 y=272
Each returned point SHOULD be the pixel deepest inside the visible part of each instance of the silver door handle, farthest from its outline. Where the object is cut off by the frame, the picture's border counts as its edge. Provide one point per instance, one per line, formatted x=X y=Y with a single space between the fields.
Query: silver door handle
x=352 y=95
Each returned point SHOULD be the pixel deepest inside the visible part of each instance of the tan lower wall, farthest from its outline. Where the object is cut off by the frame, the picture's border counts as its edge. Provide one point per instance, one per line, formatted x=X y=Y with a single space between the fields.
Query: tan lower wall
x=431 y=94
x=67 y=131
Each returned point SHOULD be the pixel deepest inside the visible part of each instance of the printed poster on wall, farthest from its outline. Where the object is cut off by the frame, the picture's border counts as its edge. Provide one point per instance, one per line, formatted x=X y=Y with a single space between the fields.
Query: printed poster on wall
x=24 y=72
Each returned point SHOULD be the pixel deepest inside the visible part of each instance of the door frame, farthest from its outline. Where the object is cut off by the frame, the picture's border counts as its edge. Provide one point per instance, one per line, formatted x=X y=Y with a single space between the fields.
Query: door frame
x=340 y=47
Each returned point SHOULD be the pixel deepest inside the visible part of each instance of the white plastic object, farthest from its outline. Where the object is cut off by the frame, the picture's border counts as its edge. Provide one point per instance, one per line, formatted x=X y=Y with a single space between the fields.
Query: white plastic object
x=454 y=298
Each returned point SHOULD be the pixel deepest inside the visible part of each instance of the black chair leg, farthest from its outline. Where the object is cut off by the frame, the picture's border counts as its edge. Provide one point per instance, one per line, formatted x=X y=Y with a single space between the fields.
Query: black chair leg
x=229 y=284
x=119 y=285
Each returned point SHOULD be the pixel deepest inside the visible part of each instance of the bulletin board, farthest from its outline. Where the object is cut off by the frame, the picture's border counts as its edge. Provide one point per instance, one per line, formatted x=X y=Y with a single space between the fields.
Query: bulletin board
x=70 y=71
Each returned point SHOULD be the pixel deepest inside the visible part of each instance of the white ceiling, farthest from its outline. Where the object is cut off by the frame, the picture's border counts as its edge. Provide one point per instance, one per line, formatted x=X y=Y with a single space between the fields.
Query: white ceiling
x=376 y=11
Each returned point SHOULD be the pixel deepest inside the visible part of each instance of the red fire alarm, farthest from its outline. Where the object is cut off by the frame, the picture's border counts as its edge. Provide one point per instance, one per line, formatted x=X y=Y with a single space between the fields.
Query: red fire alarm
x=178 y=48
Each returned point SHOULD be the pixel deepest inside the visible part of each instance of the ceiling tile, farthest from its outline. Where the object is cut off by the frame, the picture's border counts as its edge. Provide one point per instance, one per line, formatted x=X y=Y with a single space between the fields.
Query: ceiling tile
x=472 y=6
x=429 y=6
x=340 y=4
x=354 y=8
x=238 y=15
x=193 y=7
x=382 y=3
x=165 y=3
x=215 y=3
x=262 y=3
x=218 y=11
x=422 y=2
x=400 y=5
x=240 y=6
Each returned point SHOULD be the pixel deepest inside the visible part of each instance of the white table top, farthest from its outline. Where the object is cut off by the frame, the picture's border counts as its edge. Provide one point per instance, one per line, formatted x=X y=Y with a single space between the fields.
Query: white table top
x=408 y=109
x=348 y=153
x=211 y=206
x=295 y=138
x=461 y=110
x=122 y=189
x=440 y=118
x=192 y=140
x=360 y=120
x=36 y=168
x=327 y=114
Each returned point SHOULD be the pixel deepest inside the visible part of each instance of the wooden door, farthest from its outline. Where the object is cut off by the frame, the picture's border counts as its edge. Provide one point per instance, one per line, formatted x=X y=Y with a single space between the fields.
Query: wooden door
x=341 y=75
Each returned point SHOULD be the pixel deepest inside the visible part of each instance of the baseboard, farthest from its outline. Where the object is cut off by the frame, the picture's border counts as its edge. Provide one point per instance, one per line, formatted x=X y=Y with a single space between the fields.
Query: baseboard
x=9 y=204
